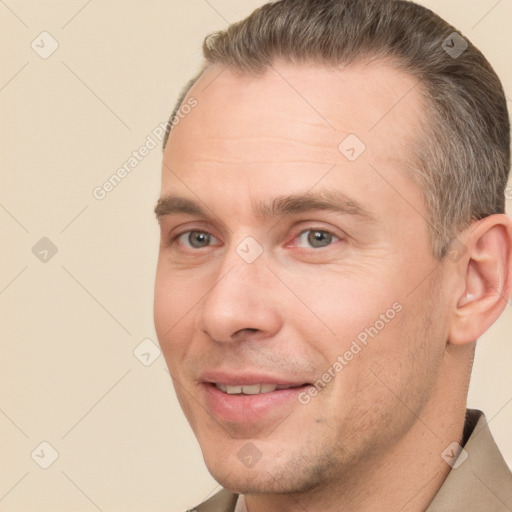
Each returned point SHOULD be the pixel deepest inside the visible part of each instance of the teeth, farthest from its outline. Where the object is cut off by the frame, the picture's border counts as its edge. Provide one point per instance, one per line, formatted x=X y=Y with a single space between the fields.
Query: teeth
x=253 y=389
x=233 y=390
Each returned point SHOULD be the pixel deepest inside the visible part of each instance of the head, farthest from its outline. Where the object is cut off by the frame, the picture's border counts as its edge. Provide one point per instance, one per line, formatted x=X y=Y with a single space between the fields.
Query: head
x=332 y=219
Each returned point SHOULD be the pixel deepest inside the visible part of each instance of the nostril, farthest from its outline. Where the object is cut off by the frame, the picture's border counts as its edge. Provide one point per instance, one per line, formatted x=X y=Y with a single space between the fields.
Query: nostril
x=248 y=334
x=247 y=330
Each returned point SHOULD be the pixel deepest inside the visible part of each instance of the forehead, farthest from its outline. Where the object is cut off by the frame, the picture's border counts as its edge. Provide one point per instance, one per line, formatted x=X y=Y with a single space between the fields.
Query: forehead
x=288 y=125
x=375 y=100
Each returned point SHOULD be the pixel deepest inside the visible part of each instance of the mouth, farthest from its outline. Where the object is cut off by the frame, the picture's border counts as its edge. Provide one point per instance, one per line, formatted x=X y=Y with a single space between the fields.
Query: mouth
x=253 y=389
x=250 y=399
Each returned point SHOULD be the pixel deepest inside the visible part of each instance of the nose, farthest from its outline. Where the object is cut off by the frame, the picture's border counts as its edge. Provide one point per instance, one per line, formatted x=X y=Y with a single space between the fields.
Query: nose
x=242 y=302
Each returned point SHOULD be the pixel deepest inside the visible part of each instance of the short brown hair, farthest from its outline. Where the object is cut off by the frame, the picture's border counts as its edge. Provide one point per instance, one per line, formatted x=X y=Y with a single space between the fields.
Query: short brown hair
x=464 y=156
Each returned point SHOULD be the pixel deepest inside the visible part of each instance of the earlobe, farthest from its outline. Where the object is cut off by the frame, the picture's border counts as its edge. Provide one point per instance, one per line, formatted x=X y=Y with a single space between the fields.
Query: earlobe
x=487 y=275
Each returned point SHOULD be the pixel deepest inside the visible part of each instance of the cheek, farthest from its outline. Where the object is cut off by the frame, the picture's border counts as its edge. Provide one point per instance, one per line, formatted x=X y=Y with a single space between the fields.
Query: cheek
x=173 y=310
x=402 y=362
x=387 y=382
x=163 y=306
x=358 y=324
x=343 y=308
x=176 y=292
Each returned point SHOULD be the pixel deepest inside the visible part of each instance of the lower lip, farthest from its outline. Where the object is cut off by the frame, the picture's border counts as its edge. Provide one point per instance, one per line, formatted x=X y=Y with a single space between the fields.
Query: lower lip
x=247 y=408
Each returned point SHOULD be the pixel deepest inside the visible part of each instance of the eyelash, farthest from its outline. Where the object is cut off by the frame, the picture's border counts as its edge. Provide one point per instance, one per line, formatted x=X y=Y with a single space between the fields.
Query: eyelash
x=174 y=239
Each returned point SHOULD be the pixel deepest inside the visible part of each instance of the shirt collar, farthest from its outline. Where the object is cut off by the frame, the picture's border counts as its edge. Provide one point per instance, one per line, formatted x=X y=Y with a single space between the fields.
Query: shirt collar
x=483 y=480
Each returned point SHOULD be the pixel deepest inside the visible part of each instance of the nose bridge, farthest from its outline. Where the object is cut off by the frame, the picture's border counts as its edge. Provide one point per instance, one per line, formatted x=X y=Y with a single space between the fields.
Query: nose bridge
x=240 y=299
x=244 y=267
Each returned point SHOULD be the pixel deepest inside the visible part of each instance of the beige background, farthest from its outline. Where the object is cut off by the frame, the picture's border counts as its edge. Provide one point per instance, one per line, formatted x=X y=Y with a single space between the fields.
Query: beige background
x=70 y=325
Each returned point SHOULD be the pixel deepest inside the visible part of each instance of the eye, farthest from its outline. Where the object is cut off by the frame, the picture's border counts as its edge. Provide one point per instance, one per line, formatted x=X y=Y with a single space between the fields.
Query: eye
x=316 y=238
x=195 y=239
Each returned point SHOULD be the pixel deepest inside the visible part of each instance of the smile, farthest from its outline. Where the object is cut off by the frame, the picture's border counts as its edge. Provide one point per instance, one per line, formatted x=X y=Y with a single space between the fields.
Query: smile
x=253 y=389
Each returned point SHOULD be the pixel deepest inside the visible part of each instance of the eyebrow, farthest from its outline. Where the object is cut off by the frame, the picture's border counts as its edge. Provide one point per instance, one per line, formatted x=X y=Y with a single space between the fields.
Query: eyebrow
x=327 y=200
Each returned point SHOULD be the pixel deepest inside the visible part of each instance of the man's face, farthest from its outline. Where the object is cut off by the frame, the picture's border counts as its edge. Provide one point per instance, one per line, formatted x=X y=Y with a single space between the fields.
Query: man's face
x=262 y=284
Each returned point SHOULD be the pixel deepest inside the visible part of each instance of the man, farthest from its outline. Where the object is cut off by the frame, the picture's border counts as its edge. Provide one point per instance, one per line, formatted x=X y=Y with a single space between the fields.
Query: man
x=333 y=243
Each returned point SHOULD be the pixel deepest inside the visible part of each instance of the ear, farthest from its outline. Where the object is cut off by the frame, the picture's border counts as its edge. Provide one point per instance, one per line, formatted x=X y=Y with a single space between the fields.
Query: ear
x=486 y=271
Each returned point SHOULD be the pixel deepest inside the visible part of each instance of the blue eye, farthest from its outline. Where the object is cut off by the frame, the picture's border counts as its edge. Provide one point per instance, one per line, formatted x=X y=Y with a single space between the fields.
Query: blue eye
x=317 y=238
x=196 y=239
x=307 y=239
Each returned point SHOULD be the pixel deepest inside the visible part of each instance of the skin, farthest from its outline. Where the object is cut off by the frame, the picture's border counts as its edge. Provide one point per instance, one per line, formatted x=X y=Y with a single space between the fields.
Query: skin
x=373 y=438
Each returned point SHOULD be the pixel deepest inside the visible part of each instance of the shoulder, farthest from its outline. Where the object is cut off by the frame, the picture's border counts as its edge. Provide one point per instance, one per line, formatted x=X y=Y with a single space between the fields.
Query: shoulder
x=223 y=501
x=480 y=478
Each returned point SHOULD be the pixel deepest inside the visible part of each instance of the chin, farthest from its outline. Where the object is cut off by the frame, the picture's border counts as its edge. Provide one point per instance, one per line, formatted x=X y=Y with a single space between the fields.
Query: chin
x=263 y=477
x=230 y=471
x=248 y=481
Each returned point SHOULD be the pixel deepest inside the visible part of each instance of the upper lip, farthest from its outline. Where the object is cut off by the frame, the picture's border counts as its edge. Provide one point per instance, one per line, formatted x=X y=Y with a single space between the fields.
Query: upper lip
x=247 y=378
